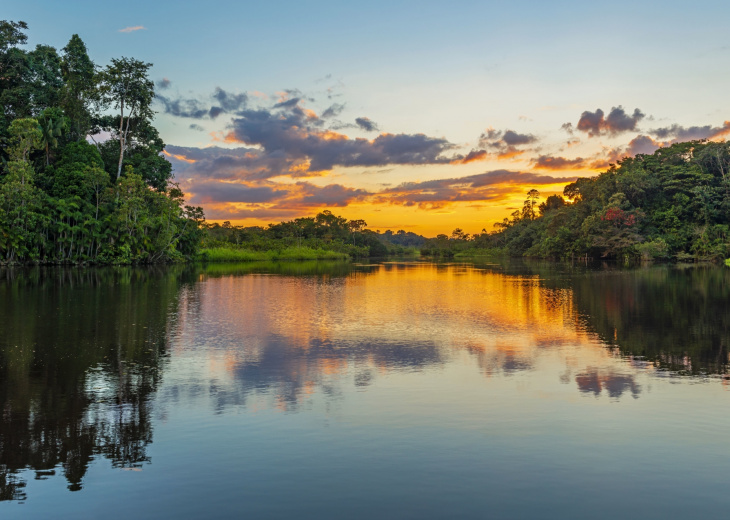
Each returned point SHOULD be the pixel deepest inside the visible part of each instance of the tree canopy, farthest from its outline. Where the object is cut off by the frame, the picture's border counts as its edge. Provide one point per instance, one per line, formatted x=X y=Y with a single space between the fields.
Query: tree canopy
x=63 y=199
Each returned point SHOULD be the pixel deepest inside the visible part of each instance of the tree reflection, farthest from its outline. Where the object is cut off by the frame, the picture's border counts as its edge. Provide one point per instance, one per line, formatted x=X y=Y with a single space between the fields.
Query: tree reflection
x=80 y=353
x=678 y=319
x=674 y=317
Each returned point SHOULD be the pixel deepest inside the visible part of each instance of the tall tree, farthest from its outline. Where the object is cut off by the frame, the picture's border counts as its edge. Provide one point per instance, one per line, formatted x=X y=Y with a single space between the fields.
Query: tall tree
x=79 y=90
x=13 y=73
x=45 y=81
x=125 y=85
x=52 y=124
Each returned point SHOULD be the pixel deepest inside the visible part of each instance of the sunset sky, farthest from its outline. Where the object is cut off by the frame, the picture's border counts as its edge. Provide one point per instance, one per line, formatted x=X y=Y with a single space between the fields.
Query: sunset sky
x=421 y=115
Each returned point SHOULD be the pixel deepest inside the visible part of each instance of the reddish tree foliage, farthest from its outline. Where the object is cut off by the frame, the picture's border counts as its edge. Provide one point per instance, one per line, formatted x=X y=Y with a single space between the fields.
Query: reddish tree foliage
x=619 y=217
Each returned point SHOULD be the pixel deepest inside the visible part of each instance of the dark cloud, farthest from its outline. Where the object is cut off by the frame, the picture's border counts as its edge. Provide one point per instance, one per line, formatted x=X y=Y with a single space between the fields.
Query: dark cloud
x=224 y=211
x=489 y=186
x=191 y=108
x=642 y=144
x=220 y=102
x=509 y=177
x=215 y=112
x=568 y=127
x=230 y=102
x=599 y=161
x=297 y=134
x=163 y=83
x=196 y=127
x=289 y=103
x=366 y=124
x=591 y=122
x=617 y=121
x=229 y=163
x=233 y=192
x=548 y=162
x=330 y=195
x=474 y=155
x=197 y=154
x=300 y=195
x=333 y=110
x=505 y=143
x=514 y=139
x=692 y=133
x=490 y=134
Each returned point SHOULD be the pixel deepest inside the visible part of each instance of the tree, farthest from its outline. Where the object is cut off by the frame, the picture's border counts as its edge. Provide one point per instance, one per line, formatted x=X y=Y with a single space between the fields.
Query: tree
x=553 y=202
x=13 y=73
x=528 y=211
x=79 y=89
x=52 y=125
x=70 y=171
x=124 y=84
x=459 y=235
x=356 y=226
x=44 y=83
x=26 y=134
x=11 y=35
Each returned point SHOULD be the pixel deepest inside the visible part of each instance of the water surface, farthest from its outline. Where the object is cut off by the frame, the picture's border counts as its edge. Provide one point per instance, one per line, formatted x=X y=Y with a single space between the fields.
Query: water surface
x=391 y=390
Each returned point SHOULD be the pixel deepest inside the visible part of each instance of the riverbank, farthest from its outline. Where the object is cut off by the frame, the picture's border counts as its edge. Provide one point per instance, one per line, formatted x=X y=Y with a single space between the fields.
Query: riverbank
x=226 y=254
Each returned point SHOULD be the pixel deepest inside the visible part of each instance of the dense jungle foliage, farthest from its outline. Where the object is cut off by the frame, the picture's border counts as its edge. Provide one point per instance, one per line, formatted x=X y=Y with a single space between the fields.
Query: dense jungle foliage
x=83 y=179
x=673 y=204
x=64 y=199
x=325 y=232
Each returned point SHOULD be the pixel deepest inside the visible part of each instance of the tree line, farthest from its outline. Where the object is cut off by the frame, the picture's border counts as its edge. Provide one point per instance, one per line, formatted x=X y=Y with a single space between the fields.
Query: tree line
x=672 y=204
x=82 y=175
x=325 y=231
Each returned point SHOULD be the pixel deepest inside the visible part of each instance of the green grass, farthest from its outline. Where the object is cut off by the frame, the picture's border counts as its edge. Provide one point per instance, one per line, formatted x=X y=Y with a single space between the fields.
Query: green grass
x=224 y=254
x=469 y=253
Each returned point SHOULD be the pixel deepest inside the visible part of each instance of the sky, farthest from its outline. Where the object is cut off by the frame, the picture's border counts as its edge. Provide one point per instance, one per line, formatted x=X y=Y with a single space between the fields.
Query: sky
x=415 y=115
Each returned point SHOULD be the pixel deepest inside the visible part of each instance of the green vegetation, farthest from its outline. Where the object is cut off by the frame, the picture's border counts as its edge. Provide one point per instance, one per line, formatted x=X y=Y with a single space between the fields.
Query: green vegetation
x=64 y=200
x=674 y=204
x=228 y=254
x=318 y=268
x=323 y=237
x=326 y=236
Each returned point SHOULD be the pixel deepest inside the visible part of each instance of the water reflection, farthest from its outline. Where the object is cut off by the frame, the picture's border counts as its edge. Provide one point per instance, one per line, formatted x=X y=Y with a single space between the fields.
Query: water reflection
x=596 y=381
x=677 y=318
x=279 y=340
x=81 y=355
x=83 y=352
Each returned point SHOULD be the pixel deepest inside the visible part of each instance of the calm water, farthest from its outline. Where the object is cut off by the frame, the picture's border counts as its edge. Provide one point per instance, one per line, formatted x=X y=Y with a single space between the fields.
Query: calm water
x=396 y=390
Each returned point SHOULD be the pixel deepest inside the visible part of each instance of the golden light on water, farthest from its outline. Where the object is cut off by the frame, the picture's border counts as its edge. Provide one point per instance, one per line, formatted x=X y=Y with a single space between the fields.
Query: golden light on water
x=401 y=317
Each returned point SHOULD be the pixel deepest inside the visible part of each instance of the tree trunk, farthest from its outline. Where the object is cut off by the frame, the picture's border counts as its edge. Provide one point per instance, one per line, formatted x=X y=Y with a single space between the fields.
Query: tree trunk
x=121 y=140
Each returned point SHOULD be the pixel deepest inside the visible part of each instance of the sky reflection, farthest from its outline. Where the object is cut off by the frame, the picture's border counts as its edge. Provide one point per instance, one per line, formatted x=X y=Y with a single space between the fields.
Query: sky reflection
x=415 y=369
x=284 y=339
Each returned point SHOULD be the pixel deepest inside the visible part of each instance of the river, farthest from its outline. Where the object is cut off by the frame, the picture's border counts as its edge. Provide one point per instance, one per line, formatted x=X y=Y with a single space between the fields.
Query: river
x=384 y=390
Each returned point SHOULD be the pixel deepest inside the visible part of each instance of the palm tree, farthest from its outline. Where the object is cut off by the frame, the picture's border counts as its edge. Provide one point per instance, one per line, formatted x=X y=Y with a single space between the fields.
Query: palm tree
x=50 y=132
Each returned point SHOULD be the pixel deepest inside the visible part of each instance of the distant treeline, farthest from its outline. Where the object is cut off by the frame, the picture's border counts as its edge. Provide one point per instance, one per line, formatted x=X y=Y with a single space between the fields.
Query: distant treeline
x=66 y=200
x=673 y=204
x=324 y=232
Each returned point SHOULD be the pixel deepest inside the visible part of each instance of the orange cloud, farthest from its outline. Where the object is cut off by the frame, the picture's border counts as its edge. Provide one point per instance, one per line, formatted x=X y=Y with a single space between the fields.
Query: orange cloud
x=722 y=132
x=179 y=157
x=329 y=135
x=220 y=137
x=473 y=156
x=509 y=153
